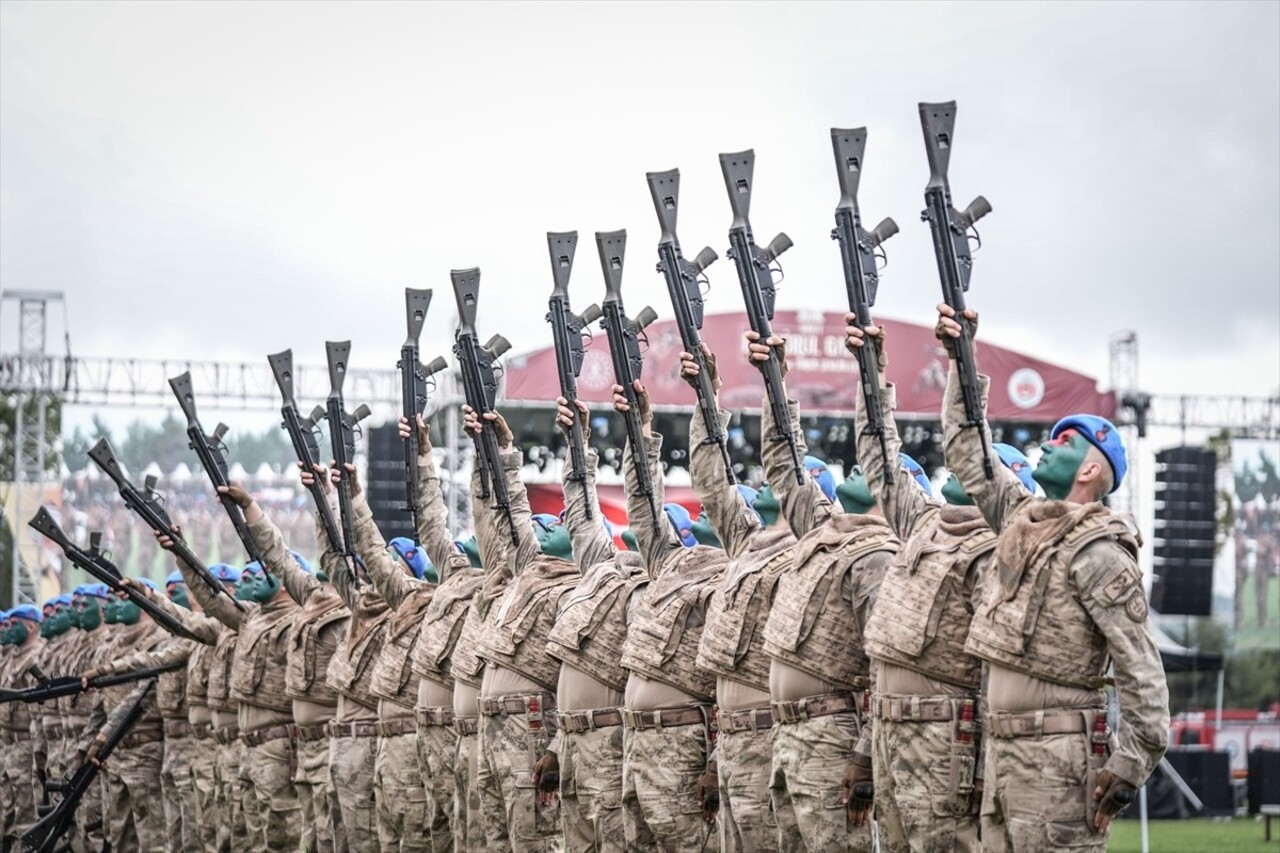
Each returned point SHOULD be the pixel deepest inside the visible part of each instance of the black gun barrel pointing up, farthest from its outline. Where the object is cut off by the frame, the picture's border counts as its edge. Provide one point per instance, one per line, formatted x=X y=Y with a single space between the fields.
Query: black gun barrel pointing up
x=342 y=438
x=685 y=290
x=861 y=279
x=756 y=280
x=628 y=361
x=413 y=391
x=949 y=229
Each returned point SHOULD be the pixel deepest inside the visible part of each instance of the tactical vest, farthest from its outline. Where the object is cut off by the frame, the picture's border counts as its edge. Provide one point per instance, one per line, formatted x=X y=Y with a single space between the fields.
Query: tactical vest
x=442 y=625
x=16 y=716
x=666 y=628
x=198 y=674
x=922 y=613
x=224 y=656
x=591 y=628
x=1064 y=647
x=79 y=653
x=393 y=678
x=143 y=637
x=733 y=640
x=257 y=674
x=171 y=687
x=515 y=633
x=813 y=625
x=351 y=667
x=312 y=642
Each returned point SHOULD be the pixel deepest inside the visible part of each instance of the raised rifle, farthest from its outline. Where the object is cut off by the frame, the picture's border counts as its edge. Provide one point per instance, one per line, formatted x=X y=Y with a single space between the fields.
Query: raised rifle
x=306 y=445
x=950 y=230
x=94 y=562
x=566 y=332
x=861 y=278
x=480 y=389
x=758 y=289
x=684 y=286
x=342 y=438
x=413 y=390
x=212 y=454
x=72 y=685
x=55 y=822
x=628 y=361
x=148 y=506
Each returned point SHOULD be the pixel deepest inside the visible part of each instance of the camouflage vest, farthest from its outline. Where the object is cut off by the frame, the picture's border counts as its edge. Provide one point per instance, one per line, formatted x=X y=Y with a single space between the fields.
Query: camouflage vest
x=223 y=658
x=442 y=625
x=143 y=637
x=315 y=633
x=516 y=630
x=198 y=674
x=351 y=667
x=922 y=612
x=16 y=716
x=591 y=627
x=171 y=687
x=1064 y=646
x=81 y=652
x=257 y=675
x=814 y=626
x=733 y=641
x=393 y=678
x=666 y=628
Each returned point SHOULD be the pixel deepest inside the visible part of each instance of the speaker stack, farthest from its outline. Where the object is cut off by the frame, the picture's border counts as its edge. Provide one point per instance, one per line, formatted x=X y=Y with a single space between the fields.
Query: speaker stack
x=1184 y=531
x=384 y=482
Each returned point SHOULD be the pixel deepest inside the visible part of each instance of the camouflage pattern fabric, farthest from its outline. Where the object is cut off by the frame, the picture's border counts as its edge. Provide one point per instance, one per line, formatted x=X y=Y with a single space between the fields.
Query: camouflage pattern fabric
x=311 y=781
x=591 y=790
x=181 y=819
x=809 y=761
x=917 y=807
x=351 y=765
x=233 y=833
x=204 y=782
x=468 y=827
x=133 y=804
x=18 y=794
x=401 y=800
x=659 y=777
x=437 y=752
x=748 y=822
x=512 y=816
x=272 y=815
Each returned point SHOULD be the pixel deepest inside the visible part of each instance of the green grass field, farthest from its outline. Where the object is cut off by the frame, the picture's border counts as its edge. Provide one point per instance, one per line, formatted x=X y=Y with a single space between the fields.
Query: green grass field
x=1198 y=835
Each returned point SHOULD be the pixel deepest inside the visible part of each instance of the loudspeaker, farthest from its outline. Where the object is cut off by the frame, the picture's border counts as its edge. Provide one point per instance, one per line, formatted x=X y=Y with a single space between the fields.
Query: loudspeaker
x=1208 y=773
x=1185 y=523
x=384 y=482
x=1264 y=779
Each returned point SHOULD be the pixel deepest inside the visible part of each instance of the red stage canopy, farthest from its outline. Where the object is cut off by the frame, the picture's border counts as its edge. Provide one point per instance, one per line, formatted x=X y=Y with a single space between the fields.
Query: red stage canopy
x=823 y=376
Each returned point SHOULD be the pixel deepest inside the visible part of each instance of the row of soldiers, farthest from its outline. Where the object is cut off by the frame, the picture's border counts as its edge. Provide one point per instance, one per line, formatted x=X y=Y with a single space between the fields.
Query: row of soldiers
x=797 y=668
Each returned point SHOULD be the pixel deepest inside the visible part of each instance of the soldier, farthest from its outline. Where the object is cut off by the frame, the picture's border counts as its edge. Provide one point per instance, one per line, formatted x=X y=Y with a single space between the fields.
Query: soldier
x=21 y=780
x=231 y=832
x=517 y=698
x=317 y=628
x=819 y=673
x=759 y=549
x=1055 y=775
x=587 y=639
x=926 y=738
x=668 y=699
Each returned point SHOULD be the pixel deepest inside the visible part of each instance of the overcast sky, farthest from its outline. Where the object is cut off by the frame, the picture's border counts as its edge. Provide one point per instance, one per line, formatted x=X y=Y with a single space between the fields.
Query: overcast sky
x=225 y=180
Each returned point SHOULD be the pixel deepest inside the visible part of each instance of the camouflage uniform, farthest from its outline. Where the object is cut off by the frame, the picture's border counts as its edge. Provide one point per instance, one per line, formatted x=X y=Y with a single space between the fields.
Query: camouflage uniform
x=1045 y=687
x=814 y=637
x=732 y=647
x=18 y=783
x=665 y=749
x=79 y=653
x=516 y=729
x=587 y=639
x=926 y=741
x=231 y=831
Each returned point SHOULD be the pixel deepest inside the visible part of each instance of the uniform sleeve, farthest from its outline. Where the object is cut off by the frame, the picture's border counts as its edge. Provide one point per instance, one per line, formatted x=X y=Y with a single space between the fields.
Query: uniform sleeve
x=732 y=519
x=216 y=604
x=393 y=584
x=654 y=545
x=1110 y=586
x=526 y=544
x=202 y=627
x=113 y=720
x=803 y=506
x=591 y=542
x=865 y=589
x=335 y=566
x=277 y=560
x=166 y=654
x=433 y=518
x=492 y=547
x=998 y=497
x=904 y=503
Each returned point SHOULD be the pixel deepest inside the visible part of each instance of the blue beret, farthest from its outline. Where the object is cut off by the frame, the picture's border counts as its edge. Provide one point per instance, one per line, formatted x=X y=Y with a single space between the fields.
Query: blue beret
x=253 y=568
x=27 y=611
x=1017 y=463
x=149 y=583
x=546 y=520
x=682 y=522
x=97 y=590
x=822 y=474
x=413 y=556
x=225 y=572
x=174 y=577
x=302 y=562
x=913 y=468
x=1102 y=434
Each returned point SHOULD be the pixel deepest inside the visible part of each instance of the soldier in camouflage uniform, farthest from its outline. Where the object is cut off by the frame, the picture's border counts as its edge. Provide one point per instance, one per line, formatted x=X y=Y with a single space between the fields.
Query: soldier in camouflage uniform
x=759 y=549
x=19 y=781
x=587 y=639
x=517 y=698
x=819 y=673
x=668 y=699
x=90 y=641
x=1055 y=775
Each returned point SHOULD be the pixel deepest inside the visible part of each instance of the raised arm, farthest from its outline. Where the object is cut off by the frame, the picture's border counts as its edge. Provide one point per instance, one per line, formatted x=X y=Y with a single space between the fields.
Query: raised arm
x=591 y=542
x=733 y=520
x=654 y=546
x=204 y=629
x=220 y=607
x=962 y=446
x=392 y=583
x=271 y=545
x=519 y=544
x=433 y=515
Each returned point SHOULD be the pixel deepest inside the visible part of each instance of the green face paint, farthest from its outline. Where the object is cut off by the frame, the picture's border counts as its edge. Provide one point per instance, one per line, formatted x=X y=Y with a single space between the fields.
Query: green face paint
x=767 y=505
x=247 y=586
x=6 y=635
x=265 y=588
x=556 y=542
x=128 y=613
x=178 y=595
x=472 y=549
x=59 y=623
x=704 y=532
x=854 y=494
x=19 y=630
x=629 y=540
x=110 y=610
x=1060 y=461
x=90 y=614
x=954 y=493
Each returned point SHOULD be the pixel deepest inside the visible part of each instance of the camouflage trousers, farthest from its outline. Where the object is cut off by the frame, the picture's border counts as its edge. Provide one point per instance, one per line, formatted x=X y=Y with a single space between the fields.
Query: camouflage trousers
x=18 y=789
x=62 y=759
x=400 y=796
x=591 y=790
x=232 y=833
x=272 y=815
x=311 y=781
x=437 y=752
x=178 y=790
x=513 y=818
x=133 y=804
x=204 y=781
x=1039 y=794
x=747 y=820
x=468 y=827
x=351 y=765
x=810 y=758
x=660 y=770
x=923 y=781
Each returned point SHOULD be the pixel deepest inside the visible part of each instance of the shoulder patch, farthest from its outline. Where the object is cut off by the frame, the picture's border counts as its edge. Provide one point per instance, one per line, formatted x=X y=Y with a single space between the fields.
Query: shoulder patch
x=1114 y=591
x=1136 y=605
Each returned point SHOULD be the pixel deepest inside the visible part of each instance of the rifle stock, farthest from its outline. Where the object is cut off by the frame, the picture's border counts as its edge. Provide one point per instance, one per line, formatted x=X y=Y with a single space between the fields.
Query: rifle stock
x=73 y=685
